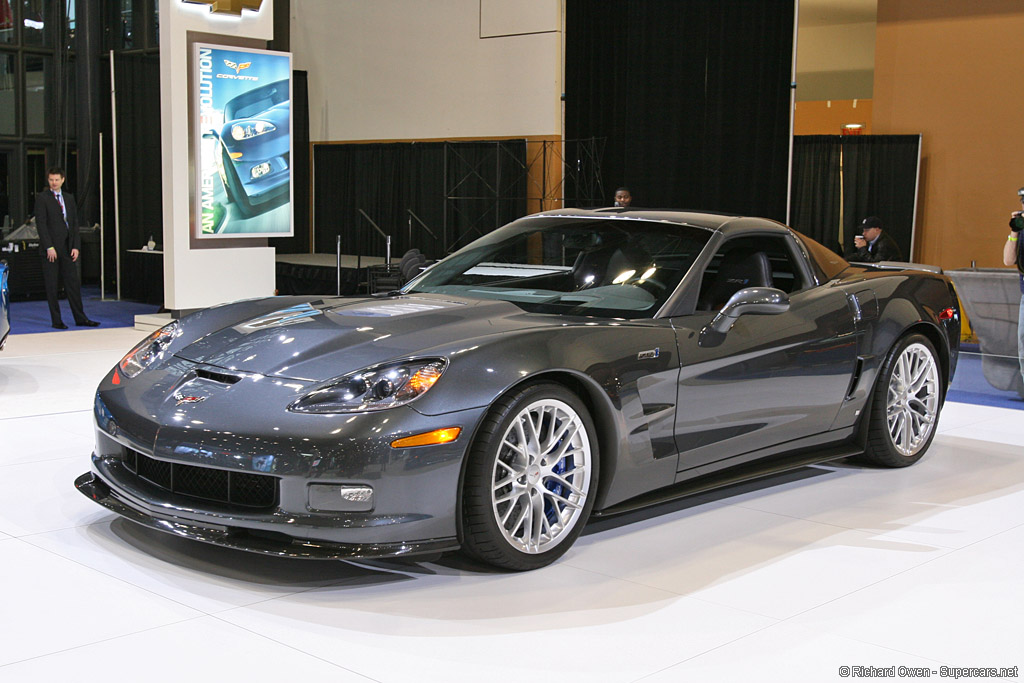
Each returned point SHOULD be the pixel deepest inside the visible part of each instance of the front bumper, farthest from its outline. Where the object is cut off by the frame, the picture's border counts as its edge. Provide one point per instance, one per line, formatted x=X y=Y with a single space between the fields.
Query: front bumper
x=242 y=434
x=239 y=538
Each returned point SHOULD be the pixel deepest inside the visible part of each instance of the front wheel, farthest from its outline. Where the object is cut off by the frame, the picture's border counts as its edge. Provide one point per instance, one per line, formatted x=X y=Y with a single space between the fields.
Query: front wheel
x=530 y=479
x=906 y=403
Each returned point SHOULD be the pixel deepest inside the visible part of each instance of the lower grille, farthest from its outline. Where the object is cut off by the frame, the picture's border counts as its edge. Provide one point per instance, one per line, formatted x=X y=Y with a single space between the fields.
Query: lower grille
x=206 y=483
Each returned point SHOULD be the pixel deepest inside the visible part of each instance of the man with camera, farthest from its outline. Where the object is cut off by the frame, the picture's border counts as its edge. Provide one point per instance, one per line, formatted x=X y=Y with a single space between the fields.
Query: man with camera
x=1012 y=256
x=873 y=245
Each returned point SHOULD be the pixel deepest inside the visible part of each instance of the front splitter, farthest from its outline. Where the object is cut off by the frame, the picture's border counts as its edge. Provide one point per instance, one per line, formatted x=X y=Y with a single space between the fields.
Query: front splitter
x=243 y=539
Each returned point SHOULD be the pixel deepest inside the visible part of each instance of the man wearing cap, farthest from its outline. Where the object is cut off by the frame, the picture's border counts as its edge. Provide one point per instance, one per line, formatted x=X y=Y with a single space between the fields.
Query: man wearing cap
x=873 y=245
x=1013 y=256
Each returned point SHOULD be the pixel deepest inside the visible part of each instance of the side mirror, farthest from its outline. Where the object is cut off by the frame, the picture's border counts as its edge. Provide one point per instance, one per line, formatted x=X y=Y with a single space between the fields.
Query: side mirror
x=211 y=135
x=748 y=301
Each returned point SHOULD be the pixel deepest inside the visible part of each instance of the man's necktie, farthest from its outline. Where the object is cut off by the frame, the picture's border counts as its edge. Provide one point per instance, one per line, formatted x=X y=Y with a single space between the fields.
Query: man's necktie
x=63 y=211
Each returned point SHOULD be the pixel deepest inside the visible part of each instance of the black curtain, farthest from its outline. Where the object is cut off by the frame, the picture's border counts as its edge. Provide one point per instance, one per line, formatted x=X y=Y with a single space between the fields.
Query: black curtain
x=459 y=190
x=692 y=98
x=384 y=180
x=880 y=179
x=301 y=188
x=816 y=198
x=138 y=155
x=486 y=187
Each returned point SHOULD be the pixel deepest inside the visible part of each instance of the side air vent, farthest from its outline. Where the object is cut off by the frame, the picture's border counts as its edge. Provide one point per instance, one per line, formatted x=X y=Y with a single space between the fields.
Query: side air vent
x=855 y=379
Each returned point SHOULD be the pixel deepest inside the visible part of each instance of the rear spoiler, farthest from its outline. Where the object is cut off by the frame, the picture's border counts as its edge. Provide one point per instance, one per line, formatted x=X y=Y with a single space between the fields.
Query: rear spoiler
x=899 y=265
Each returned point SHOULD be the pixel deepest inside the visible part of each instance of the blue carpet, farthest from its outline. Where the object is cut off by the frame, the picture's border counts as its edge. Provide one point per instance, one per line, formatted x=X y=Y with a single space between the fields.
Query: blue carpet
x=28 y=317
x=970 y=385
x=996 y=399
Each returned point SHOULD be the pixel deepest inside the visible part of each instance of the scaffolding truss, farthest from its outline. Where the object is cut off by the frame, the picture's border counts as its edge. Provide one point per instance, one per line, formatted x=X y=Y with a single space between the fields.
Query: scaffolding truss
x=514 y=178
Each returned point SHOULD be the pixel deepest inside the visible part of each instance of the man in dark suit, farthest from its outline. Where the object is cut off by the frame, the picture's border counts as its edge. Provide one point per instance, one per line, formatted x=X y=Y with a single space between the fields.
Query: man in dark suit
x=59 y=242
x=873 y=245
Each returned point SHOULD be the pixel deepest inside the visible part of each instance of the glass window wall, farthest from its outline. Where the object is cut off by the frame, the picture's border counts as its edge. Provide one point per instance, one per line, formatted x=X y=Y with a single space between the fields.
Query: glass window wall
x=33 y=20
x=7 y=24
x=37 y=111
x=8 y=90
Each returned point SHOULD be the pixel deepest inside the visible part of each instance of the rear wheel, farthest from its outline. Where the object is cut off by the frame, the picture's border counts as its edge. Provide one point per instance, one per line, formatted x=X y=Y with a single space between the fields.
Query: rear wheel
x=530 y=479
x=906 y=403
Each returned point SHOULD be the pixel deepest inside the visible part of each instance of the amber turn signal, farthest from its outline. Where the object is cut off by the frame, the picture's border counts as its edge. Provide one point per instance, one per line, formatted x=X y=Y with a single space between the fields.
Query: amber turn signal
x=428 y=438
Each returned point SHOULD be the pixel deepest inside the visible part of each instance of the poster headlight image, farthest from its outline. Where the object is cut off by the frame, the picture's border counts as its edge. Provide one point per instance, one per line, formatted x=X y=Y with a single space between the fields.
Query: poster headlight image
x=243 y=140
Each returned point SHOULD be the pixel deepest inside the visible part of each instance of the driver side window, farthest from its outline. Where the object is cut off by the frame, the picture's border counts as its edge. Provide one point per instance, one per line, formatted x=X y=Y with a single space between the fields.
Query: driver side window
x=754 y=261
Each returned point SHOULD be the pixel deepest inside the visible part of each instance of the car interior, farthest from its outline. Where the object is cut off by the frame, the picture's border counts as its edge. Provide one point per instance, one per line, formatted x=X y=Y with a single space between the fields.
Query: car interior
x=758 y=261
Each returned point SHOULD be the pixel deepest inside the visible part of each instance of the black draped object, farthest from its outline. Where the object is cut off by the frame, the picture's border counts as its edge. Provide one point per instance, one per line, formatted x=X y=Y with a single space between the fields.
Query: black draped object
x=880 y=179
x=140 y=192
x=300 y=242
x=693 y=98
x=816 y=196
x=459 y=190
x=867 y=175
x=88 y=35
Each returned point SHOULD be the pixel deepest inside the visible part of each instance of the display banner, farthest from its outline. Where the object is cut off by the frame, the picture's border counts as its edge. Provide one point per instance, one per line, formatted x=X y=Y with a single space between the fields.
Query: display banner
x=243 y=140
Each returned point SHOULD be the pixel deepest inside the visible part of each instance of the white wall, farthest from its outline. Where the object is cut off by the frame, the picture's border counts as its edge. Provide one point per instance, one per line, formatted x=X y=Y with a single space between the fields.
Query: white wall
x=395 y=69
x=196 y=276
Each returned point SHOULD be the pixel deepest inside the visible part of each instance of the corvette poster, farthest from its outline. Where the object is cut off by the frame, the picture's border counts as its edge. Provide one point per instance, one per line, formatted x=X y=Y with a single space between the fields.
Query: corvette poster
x=243 y=141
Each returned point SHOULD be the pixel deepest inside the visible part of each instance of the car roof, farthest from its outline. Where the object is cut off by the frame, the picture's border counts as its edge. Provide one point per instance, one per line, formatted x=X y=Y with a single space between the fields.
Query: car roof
x=720 y=222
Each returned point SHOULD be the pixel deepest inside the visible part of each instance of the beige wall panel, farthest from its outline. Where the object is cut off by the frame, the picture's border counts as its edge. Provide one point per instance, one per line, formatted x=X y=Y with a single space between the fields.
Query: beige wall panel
x=510 y=17
x=835 y=62
x=836 y=48
x=952 y=71
x=829 y=117
x=398 y=70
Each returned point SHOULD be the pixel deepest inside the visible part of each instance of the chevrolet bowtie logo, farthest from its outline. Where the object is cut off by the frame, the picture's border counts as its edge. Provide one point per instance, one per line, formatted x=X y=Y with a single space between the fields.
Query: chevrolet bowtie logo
x=237 y=67
x=229 y=6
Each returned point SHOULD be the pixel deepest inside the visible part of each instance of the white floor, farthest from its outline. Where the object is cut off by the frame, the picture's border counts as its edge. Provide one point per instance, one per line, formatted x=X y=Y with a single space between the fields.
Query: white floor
x=921 y=567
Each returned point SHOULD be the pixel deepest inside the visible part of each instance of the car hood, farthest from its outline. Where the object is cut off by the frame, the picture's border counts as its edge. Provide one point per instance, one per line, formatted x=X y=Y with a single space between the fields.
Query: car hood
x=324 y=339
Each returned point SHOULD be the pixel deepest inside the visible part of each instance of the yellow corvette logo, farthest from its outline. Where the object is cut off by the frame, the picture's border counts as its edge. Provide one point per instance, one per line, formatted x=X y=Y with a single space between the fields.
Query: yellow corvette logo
x=237 y=67
x=229 y=6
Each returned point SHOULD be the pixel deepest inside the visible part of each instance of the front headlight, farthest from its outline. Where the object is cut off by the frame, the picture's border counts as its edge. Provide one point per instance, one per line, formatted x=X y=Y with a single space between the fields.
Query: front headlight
x=375 y=388
x=250 y=129
x=151 y=348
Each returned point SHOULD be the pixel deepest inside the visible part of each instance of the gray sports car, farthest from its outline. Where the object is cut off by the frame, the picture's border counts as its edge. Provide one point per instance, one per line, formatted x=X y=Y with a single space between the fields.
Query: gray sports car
x=571 y=364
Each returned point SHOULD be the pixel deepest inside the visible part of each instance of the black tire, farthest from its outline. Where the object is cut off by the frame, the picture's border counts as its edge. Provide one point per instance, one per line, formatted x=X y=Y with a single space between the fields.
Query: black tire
x=904 y=414
x=503 y=472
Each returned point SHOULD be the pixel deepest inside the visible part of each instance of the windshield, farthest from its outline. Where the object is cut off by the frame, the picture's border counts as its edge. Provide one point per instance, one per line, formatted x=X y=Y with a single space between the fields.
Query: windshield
x=610 y=268
x=256 y=101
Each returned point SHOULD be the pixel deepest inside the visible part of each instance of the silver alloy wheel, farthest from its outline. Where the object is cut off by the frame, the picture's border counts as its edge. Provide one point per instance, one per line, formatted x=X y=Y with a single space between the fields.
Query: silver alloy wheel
x=912 y=406
x=541 y=477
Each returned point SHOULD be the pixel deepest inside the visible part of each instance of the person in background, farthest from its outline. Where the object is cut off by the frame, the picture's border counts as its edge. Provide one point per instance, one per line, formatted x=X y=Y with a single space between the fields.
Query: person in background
x=59 y=244
x=873 y=245
x=1012 y=256
x=623 y=197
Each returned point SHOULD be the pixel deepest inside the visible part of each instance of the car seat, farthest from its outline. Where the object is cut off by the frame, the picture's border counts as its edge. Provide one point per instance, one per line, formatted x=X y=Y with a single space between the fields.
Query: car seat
x=600 y=266
x=740 y=268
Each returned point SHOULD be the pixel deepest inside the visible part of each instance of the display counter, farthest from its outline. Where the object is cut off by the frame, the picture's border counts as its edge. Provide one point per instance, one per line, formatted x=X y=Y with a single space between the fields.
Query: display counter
x=991 y=298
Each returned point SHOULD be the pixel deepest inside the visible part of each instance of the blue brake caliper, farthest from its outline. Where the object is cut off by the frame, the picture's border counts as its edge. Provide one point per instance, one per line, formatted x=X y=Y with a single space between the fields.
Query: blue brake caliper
x=550 y=511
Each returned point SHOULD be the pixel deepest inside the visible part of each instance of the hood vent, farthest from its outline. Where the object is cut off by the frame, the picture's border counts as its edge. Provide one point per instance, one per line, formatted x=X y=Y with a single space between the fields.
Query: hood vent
x=215 y=376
